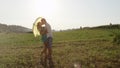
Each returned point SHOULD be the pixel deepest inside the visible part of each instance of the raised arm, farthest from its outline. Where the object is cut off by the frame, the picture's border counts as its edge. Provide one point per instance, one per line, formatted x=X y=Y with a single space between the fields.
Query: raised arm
x=39 y=27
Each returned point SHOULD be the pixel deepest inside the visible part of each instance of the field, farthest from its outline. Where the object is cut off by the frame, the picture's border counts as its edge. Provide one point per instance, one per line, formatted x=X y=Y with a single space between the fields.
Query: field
x=90 y=48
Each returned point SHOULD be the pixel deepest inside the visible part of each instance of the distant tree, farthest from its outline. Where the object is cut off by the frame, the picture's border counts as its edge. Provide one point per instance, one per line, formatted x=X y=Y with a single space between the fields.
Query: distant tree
x=53 y=30
x=116 y=38
x=80 y=27
x=110 y=24
x=86 y=27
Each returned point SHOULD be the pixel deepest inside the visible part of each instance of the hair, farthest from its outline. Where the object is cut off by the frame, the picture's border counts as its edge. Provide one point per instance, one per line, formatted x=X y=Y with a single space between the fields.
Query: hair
x=43 y=19
x=38 y=23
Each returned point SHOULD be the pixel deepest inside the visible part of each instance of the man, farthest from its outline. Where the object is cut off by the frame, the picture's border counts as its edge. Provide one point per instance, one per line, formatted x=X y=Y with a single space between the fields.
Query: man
x=47 y=43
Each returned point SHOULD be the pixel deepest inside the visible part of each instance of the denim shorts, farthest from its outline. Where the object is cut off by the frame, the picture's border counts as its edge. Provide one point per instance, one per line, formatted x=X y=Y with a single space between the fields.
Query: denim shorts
x=49 y=42
x=44 y=38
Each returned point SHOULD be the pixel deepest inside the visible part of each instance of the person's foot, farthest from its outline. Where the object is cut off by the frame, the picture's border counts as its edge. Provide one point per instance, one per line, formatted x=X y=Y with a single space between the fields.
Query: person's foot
x=51 y=64
x=41 y=61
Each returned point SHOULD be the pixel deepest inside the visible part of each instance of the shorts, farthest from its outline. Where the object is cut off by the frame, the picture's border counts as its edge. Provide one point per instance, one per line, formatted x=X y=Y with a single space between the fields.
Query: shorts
x=49 y=42
x=44 y=38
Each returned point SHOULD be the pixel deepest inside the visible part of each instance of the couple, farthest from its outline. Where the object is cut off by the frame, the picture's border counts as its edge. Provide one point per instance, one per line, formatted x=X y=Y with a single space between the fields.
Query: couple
x=46 y=33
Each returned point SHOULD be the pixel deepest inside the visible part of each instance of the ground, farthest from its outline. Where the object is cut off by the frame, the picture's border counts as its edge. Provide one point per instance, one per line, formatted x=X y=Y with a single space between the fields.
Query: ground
x=90 y=48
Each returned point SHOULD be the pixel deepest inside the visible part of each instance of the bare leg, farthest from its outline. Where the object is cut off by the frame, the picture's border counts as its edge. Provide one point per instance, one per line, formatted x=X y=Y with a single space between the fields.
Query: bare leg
x=49 y=52
x=51 y=64
x=44 y=50
x=44 y=56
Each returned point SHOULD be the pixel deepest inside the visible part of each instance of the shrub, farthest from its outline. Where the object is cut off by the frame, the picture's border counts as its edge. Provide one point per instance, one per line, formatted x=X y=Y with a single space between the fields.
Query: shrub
x=116 y=38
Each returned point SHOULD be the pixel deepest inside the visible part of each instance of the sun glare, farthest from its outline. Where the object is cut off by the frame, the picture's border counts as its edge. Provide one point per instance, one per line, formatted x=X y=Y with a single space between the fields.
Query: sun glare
x=44 y=7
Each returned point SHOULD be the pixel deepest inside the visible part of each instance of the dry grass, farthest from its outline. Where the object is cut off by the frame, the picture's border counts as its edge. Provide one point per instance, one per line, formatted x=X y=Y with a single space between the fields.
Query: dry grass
x=89 y=48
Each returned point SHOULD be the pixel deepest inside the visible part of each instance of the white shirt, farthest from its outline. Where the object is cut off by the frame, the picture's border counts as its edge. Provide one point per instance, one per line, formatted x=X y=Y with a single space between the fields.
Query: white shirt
x=49 y=30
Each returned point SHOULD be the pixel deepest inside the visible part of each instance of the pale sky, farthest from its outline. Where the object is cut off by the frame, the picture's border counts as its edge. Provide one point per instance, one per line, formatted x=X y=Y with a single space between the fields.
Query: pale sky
x=60 y=14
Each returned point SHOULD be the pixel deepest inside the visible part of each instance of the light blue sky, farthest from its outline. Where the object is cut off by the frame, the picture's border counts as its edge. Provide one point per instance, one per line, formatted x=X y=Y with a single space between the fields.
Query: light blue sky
x=61 y=14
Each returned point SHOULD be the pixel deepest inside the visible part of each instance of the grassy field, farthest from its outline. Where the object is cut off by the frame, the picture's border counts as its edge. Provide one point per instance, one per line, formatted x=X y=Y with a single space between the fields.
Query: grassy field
x=91 y=48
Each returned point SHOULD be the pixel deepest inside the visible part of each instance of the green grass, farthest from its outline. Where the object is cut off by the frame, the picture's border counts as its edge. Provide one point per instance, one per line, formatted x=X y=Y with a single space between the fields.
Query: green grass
x=92 y=48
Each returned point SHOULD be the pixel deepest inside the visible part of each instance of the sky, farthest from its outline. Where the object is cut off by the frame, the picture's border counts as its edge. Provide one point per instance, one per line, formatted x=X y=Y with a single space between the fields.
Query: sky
x=60 y=14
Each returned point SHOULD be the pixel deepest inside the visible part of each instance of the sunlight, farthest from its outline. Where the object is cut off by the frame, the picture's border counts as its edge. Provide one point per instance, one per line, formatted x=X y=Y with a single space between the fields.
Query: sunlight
x=44 y=7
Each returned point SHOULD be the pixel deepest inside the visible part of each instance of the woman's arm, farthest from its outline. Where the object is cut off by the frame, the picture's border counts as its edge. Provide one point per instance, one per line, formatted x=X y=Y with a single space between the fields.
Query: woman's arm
x=39 y=28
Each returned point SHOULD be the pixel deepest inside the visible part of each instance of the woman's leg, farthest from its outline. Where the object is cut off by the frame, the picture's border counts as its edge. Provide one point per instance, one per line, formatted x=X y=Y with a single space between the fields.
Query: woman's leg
x=45 y=55
x=44 y=51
